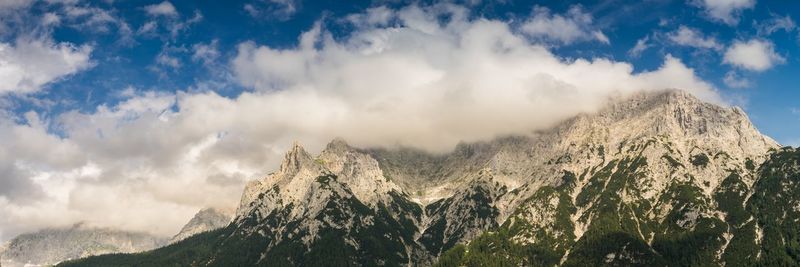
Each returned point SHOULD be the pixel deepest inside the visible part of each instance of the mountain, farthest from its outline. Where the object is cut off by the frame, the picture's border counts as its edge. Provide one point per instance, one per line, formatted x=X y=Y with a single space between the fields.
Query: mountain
x=205 y=220
x=51 y=246
x=651 y=179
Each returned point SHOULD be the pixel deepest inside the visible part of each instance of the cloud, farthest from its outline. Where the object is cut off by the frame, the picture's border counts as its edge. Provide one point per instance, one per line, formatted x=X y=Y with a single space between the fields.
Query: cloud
x=168 y=60
x=272 y=9
x=90 y=19
x=50 y=19
x=29 y=64
x=162 y=9
x=148 y=28
x=206 y=53
x=168 y=27
x=774 y=24
x=754 y=55
x=686 y=36
x=11 y=5
x=725 y=11
x=575 y=25
x=372 y=16
x=431 y=80
x=641 y=46
x=733 y=80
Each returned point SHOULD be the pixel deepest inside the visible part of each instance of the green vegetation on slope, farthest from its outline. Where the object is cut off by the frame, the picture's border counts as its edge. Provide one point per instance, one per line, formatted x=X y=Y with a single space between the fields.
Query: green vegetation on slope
x=764 y=231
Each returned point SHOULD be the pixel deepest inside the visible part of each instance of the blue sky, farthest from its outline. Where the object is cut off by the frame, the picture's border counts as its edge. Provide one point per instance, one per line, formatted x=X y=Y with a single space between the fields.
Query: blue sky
x=131 y=102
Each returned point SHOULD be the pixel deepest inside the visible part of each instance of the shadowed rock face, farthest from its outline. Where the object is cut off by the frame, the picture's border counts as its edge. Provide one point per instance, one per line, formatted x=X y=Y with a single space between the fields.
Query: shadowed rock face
x=51 y=246
x=653 y=179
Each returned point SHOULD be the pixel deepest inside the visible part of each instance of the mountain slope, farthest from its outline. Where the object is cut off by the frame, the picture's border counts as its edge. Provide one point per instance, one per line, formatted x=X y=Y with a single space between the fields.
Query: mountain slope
x=652 y=179
x=51 y=246
x=672 y=193
x=205 y=220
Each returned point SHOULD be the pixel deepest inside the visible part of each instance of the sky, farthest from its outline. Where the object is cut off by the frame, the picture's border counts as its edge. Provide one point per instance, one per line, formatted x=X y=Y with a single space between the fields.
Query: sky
x=136 y=114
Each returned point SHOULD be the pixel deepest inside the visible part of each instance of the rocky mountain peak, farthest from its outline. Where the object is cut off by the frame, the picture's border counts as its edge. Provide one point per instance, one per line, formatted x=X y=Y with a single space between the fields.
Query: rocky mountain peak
x=338 y=145
x=206 y=219
x=295 y=159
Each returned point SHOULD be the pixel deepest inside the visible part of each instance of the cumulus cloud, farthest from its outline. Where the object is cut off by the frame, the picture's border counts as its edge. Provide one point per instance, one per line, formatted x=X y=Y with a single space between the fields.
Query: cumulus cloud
x=725 y=11
x=754 y=55
x=161 y=9
x=575 y=25
x=432 y=79
x=687 y=36
x=29 y=64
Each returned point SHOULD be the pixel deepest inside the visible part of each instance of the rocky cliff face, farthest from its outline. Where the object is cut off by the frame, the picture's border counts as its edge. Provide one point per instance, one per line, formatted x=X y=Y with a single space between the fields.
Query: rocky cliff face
x=652 y=179
x=51 y=246
x=205 y=220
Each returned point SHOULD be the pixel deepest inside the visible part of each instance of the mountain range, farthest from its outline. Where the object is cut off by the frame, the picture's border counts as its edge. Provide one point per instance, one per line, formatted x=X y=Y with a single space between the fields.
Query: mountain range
x=54 y=245
x=652 y=179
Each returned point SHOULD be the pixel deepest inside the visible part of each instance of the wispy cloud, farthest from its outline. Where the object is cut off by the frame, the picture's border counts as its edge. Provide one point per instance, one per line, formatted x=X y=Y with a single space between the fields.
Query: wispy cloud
x=687 y=36
x=573 y=26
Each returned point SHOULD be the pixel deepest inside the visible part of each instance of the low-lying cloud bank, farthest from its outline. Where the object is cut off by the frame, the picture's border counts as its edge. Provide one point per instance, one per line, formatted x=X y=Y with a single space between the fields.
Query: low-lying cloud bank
x=427 y=77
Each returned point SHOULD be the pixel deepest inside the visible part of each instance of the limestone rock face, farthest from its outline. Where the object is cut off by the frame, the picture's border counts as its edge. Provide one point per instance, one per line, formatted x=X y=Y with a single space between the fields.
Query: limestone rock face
x=205 y=220
x=51 y=246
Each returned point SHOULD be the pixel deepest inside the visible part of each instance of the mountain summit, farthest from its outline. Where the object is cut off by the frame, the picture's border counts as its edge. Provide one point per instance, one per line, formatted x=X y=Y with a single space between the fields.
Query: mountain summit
x=651 y=179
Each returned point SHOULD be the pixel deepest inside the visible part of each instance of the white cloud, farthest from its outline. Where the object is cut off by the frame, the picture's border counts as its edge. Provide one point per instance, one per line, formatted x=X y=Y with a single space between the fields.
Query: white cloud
x=686 y=36
x=373 y=16
x=733 y=80
x=755 y=55
x=50 y=19
x=11 y=5
x=641 y=46
x=206 y=53
x=286 y=6
x=176 y=27
x=86 y=18
x=168 y=60
x=148 y=28
x=168 y=27
x=28 y=64
x=575 y=25
x=774 y=24
x=162 y=9
x=431 y=80
x=273 y=9
x=725 y=11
